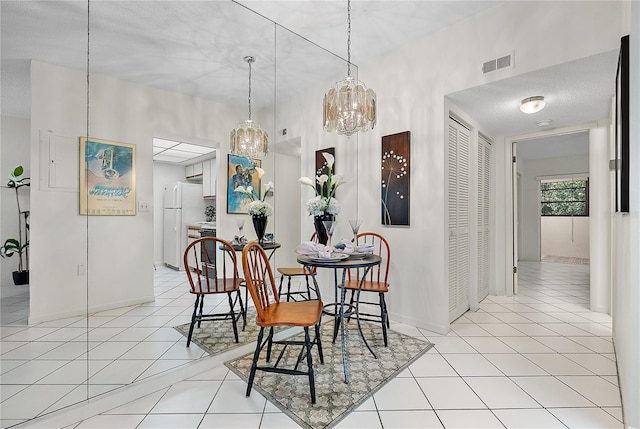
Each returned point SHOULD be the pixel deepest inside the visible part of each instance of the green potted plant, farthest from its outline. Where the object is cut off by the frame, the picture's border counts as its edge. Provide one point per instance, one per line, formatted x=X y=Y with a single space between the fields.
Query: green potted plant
x=19 y=246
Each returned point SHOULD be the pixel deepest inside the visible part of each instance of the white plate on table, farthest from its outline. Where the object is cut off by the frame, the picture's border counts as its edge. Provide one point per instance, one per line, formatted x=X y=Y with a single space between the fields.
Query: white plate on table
x=358 y=255
x=333 y=258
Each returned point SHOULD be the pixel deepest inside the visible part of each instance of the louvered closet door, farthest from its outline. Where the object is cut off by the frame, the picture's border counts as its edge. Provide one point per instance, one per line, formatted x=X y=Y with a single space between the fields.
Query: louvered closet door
x=458 y=216
x=484 y=176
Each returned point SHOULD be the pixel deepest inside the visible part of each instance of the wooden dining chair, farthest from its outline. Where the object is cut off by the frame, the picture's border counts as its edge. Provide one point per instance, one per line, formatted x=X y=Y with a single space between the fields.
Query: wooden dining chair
x=211 y=267
x=376 y=281
x=271 y=313
x=300 y=271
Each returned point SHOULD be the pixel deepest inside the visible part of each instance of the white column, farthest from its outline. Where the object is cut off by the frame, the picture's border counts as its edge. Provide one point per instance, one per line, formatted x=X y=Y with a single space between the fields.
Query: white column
x=599 y=220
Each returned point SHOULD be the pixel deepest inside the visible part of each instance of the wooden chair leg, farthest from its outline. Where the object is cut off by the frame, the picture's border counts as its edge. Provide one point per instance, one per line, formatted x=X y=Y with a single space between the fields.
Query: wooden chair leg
x=289 y=288
x=232 y=313
x=269 y=344
x=312 y=384
x=201 y=305
x=280 y=287
x=243 y=311
x=193 y=320
x=319 y=343
x=386 y=312
x=254 y=363
x=383 y=318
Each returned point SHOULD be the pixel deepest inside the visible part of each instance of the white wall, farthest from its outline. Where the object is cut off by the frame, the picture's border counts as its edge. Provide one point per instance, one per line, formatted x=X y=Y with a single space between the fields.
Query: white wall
x=411 y=85
x=564 y=236
x=14 y=151
x=286 y=203
x=626 y=249
x=529 y=242
x=118 y=251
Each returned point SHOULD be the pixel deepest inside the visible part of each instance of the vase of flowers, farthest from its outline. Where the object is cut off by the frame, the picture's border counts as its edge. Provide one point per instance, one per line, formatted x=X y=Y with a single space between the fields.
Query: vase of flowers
x=258 y=208
x=324 y=205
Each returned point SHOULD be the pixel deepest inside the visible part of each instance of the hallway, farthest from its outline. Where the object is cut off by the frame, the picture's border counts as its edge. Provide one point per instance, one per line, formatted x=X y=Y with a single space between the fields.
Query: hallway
x=539 y=359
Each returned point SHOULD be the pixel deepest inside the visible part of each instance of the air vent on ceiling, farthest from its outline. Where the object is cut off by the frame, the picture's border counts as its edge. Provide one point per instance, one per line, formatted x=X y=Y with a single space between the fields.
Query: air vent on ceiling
x=498 y=64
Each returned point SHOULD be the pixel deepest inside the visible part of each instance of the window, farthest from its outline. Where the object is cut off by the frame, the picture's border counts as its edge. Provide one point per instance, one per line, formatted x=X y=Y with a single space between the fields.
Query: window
x=565 y=197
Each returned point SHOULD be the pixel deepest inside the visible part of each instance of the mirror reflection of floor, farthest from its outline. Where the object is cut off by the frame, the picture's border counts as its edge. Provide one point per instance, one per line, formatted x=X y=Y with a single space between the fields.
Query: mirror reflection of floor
x=14 y=305
x=128 y=344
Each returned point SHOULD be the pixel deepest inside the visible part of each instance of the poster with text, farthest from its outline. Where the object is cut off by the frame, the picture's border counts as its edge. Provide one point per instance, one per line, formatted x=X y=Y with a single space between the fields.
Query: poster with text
x=107 y=178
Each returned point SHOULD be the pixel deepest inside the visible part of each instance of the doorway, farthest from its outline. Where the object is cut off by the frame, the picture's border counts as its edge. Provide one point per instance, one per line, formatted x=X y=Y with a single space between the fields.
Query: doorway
x=548 y=227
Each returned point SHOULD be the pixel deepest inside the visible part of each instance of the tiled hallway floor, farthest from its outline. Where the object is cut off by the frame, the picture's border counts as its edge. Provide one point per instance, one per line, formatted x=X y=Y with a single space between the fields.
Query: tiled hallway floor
x=540 y=359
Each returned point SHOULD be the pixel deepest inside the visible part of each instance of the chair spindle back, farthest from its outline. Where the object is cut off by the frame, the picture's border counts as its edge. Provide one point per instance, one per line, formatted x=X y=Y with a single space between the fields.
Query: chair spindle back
x=381 y=248
x=259 y=277
x=210 y=272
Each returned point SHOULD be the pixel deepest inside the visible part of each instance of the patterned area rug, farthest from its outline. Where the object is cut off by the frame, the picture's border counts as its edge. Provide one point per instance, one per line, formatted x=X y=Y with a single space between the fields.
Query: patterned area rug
x=216 y=337
x=334 y=398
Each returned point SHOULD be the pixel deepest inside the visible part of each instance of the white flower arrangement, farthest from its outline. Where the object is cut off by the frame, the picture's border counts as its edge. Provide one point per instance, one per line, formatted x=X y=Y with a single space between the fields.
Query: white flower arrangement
x=257 y=207
x=324 y=201
x=317 y=206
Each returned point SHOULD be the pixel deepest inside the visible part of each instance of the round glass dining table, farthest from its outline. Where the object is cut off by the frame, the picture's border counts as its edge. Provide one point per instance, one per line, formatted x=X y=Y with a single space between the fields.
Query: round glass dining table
x=364 y=264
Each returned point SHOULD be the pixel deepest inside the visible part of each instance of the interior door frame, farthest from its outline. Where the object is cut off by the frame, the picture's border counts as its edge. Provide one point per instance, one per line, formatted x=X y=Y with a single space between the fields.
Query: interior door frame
x=514 y=220
x=511 y=256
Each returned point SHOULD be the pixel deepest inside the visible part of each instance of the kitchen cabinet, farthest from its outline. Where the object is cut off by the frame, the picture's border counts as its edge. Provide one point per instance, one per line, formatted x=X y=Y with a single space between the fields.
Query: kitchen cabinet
x=193 y=234
x=209 y=178
x=193 y=171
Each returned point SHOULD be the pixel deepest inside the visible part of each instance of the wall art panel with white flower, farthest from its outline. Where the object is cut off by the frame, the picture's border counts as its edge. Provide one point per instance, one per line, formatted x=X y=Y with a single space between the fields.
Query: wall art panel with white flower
x=395 y=180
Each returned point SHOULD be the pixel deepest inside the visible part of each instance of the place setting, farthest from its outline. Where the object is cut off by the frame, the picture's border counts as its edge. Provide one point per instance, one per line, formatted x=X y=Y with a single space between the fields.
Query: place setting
x=344 y=249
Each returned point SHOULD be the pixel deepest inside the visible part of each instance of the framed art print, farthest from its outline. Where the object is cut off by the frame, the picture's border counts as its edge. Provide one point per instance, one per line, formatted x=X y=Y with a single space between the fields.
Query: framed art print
x=241 y=171
x=107 y=178
x=322 y=167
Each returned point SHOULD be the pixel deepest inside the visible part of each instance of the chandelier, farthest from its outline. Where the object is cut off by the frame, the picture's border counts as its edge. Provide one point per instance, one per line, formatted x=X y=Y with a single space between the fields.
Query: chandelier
x=349 y=106
x=248 y=139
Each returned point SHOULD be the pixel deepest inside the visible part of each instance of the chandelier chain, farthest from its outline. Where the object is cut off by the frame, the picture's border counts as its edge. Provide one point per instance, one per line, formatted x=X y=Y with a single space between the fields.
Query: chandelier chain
x=249 y=61
x=348 y=37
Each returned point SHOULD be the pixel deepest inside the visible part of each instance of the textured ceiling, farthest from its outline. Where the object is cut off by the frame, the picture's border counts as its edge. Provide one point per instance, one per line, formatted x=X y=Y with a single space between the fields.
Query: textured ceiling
x=196 y=48
x=575 y=92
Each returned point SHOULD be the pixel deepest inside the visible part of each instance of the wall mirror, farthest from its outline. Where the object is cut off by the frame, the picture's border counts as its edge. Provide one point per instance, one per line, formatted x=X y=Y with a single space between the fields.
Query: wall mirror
x=98 y=288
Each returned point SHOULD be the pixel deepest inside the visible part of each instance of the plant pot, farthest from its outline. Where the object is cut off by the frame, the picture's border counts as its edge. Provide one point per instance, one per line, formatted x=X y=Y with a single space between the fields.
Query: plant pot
x=260 y=225
x=321 y=232
x=20 y=278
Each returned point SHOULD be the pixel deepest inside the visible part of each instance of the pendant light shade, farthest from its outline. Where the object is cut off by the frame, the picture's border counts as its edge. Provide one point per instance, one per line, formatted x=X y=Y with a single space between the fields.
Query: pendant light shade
x=248 y=139
x=349 y=106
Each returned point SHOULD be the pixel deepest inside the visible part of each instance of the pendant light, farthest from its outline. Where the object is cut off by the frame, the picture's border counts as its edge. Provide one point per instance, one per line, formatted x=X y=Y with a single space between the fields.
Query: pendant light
x=349 y=106
x=248 y=139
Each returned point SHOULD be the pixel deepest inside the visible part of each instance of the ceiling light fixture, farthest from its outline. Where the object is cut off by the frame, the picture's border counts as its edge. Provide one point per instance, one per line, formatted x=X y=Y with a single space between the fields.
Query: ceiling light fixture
x=248 y=139
x=532 y=104
x=349 y=106
x=544 y=123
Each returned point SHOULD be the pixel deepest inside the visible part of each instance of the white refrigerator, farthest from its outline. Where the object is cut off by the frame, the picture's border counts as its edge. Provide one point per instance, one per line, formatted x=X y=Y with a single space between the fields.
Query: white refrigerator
x=183 y=205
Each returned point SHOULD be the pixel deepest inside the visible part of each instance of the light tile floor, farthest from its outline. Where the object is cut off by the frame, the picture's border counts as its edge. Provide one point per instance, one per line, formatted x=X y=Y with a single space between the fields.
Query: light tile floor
x=540 y=359
x=110 y=349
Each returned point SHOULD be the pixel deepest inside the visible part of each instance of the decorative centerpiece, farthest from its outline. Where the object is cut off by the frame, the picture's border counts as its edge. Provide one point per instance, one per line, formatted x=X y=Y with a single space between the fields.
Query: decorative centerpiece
x=258 y=209
x=324 y=206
